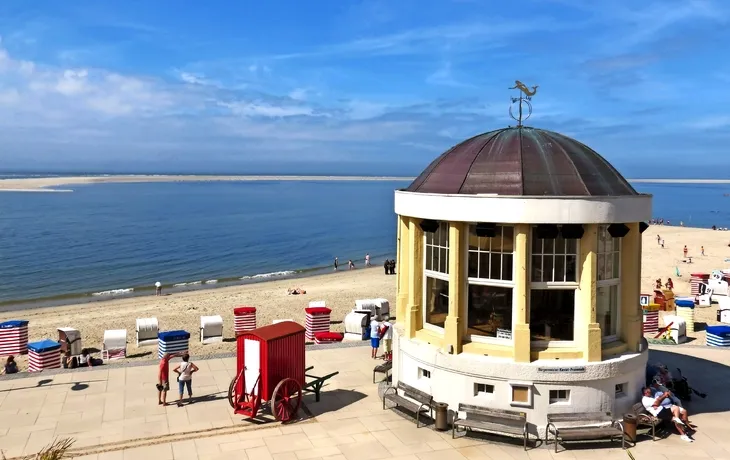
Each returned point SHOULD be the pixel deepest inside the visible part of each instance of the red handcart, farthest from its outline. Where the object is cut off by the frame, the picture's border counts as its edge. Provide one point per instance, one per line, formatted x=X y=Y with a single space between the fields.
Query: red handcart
x=271 y=370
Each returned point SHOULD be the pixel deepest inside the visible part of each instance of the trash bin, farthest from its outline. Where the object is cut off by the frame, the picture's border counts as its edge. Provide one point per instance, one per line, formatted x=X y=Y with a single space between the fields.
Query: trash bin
x=442 y=416
x=630 y=427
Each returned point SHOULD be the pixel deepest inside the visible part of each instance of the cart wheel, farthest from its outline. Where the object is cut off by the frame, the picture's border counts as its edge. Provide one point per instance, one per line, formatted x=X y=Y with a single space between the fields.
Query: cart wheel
x=287 y=398
x=232 y=393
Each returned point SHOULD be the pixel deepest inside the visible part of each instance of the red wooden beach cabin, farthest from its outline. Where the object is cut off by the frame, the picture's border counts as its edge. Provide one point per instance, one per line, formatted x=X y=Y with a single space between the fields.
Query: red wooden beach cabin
x=270 y=367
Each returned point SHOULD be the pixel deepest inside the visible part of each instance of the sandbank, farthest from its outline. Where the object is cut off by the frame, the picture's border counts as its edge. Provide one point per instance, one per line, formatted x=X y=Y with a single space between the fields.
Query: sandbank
x=46 y=183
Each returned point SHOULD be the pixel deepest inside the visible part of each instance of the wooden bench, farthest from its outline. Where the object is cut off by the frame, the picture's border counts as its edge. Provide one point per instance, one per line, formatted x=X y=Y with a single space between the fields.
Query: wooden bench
x=383 y=369
x=491 y=420
x=583 y=426
x=423 y=401
x=644 y=418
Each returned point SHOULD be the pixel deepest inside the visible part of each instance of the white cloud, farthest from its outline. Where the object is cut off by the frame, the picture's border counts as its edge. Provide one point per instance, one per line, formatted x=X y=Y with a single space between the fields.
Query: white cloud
x=299 y=94
x=262 y=109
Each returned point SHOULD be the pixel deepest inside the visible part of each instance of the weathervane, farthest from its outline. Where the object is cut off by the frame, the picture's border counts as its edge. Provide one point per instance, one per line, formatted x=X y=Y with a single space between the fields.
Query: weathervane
x=525 y=98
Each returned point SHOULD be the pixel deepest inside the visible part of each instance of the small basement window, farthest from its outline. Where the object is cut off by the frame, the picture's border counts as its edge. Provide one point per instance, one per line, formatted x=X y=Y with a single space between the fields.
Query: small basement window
x=424 y=373
x=521 y=395
x=481 y=389
x=621 y=389
x=559 y=396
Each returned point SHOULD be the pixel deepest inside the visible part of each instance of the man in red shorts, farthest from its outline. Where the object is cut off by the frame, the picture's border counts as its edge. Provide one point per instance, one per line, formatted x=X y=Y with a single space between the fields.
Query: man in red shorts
x=163 y=378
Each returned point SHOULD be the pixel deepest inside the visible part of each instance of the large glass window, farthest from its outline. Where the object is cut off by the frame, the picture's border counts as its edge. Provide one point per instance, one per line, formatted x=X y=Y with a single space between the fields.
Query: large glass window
x=491 y=257
x=490 y=311
x=552 y=312
x=554 y=280
x=437 y=301
x=491 y=283
x=554 y=260
x=607 y=310
x=608 y=283
x=437 y=249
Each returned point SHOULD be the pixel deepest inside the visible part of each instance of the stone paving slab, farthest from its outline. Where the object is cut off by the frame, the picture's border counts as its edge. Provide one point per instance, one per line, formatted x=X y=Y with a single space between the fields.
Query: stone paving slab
x=113 y=414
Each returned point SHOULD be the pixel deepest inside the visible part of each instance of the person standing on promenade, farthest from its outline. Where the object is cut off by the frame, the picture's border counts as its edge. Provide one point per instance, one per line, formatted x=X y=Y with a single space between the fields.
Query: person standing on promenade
x=374 y=337
x=185 y=371
x=163 y=378
x=336 y=263
x=367 y=260
x=158 y=288
x=387 y=338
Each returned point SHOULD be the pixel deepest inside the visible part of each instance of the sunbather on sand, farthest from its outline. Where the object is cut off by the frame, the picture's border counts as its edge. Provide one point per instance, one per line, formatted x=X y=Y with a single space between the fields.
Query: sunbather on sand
x=296 y=291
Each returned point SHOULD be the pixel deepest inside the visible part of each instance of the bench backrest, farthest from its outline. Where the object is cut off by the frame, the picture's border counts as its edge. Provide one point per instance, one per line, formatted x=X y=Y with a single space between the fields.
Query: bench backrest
x=415 y=394
x=496 y=416
x=589 y=417
x=638 y=409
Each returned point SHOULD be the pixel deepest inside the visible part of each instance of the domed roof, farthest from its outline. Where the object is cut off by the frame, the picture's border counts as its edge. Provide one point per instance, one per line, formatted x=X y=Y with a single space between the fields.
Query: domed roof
x=522 y=161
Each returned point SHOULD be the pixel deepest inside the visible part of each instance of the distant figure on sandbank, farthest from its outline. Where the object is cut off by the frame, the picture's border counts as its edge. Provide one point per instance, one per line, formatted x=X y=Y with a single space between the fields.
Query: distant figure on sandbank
x=158 y=288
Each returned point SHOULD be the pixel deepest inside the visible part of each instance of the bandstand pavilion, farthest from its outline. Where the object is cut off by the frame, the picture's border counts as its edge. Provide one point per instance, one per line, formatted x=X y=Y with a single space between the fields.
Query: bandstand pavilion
x=519 y=255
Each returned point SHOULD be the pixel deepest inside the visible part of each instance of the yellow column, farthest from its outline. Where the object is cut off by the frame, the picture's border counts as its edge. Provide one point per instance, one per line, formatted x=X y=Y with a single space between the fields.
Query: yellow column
x=521 y=307
x=402 y=269
x=588 y=336
x=414 y=316
x=631 y=327
x=454 y=325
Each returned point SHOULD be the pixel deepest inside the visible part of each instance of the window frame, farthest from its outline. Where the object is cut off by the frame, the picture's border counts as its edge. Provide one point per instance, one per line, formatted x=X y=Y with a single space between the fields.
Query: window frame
x=558 y=400
x=610 y=282
x=434 y=274
x=556 y=285
x=426 y=245
x=493 y=283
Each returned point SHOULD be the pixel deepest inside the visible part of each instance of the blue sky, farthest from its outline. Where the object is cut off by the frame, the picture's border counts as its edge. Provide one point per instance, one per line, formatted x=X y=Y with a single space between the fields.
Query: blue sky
x=369 y=86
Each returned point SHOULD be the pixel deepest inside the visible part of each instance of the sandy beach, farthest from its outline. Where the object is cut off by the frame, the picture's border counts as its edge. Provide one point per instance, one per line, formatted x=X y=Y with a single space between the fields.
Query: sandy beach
x=339 y=290
x=48 y=184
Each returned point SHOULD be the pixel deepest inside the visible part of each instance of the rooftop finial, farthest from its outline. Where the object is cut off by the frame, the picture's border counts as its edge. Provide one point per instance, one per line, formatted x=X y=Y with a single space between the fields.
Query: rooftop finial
x=524 y=98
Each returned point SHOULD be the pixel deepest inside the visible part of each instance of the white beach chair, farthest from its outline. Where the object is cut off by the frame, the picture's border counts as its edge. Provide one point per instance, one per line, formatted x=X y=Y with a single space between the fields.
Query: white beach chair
x=211 y=329
x=115 y=344
x=70 y=340
x=147 y=330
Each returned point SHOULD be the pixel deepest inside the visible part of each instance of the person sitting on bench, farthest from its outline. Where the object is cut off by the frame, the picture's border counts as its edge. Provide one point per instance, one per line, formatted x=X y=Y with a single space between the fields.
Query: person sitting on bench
x=660 y=406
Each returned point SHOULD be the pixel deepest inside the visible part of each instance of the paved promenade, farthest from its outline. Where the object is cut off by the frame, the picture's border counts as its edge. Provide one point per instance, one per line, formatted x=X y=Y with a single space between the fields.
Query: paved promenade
x=112 y=413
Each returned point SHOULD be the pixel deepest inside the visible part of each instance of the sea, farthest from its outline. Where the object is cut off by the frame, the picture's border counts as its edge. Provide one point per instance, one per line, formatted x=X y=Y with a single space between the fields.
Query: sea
x=109 y=240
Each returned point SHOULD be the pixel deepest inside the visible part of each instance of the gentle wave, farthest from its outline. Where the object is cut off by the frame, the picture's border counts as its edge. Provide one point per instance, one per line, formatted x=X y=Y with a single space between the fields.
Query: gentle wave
x=211 y=282
x=113 y=292
x=269 y=275
x=192 y=283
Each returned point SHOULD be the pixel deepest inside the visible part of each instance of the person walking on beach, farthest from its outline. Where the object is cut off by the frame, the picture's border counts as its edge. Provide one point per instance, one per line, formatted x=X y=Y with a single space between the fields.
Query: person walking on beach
x=662 y=243
x=185 y=371
x=158 y=288
x=658 y=239
x=685 y=251
x=374 y=337
x=702 y=250
x=367 y=260
x=350 y=265
x=336 y=263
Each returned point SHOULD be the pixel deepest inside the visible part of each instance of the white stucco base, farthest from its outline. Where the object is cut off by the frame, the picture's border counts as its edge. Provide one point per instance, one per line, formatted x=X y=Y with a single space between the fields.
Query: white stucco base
x=453 y=380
